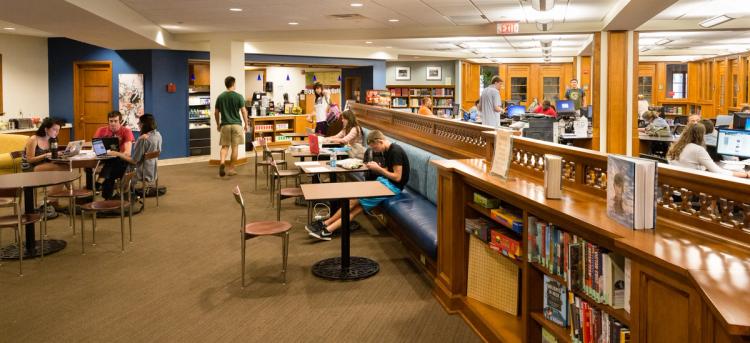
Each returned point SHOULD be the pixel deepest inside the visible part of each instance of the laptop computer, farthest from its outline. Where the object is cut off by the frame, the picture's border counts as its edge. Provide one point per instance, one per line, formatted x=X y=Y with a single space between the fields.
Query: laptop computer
x=97 y=144
x=73 y=148
x=111 y=143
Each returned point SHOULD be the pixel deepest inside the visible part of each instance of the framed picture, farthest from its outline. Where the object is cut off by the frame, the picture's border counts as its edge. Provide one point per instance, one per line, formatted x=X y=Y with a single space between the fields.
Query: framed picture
x=434 y=73
x=403 y=73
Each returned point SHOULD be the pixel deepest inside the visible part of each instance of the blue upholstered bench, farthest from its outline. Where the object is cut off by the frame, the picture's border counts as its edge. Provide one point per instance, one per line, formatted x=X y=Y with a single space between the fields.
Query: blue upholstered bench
x=415 y=210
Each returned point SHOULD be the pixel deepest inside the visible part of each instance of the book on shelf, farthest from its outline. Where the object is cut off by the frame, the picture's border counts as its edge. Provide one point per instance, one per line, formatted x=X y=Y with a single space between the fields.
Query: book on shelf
x=548 y=337
x=399 y=102
x=552 y=176
x=588 y=324
x=586 y=267
x=479 y=227
x=631 y=191
x=505 y=245
x=555 y=301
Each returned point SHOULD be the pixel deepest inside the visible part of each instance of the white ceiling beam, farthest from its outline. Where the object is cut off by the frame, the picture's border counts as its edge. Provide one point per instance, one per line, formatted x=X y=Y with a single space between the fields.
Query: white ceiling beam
x=692 y=25
x=628 y=15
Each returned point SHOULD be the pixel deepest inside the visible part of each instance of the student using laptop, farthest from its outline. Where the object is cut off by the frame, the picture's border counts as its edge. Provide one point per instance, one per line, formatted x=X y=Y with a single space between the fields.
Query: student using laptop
x=148 y=141
x=113 y=169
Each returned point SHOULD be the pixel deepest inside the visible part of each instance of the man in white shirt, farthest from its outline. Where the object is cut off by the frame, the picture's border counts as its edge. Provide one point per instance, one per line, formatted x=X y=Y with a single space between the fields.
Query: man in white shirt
x=490 y=104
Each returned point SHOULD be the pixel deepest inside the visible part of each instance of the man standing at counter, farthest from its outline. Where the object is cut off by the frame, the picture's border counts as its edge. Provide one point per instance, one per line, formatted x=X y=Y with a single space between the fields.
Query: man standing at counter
x=490 y=104
x=230 y=124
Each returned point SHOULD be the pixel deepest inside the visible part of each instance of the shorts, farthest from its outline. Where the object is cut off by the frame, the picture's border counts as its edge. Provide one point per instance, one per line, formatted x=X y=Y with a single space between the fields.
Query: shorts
x=232 y=134
x=369 y=203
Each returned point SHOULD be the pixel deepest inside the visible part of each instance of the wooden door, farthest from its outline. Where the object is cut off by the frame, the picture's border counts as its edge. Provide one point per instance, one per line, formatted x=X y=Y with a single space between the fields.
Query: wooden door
x=353 y=88
x=721 y=87
x=470 y=88
x=92 y=97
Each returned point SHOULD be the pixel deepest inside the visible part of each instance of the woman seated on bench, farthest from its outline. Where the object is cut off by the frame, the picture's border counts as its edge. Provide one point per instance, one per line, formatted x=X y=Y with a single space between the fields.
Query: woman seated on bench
x=690 y=152
x=351 y=134
x=394 y=175
x=148 y=141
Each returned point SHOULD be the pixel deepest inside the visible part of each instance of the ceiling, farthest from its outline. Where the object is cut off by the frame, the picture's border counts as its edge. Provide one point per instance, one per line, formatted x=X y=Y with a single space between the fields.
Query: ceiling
x=386 y=29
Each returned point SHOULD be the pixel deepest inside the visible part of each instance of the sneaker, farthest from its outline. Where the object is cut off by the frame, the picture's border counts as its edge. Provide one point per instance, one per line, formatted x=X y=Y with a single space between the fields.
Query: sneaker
x=314 y=226
x=322 y=235
x=221 y=171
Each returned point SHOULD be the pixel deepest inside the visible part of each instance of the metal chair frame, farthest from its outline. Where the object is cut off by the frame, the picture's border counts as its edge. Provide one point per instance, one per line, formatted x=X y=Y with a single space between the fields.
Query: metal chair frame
x=125 y=185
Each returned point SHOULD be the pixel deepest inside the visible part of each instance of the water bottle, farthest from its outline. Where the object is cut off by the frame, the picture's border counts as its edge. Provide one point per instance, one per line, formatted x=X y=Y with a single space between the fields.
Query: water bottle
x=53 y=147
x=333 y=159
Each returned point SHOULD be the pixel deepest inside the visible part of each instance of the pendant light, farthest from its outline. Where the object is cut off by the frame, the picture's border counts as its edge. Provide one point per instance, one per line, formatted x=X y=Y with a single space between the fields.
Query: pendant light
x=287 y=77
x=314 y=78
x=259 y=79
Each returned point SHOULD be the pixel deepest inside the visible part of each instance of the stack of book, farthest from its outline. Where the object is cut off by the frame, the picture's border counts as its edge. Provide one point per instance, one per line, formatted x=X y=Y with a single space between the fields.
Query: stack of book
x=505 y=245
x=589 y=324
x=632 y=191
x=479 y=227
x=508 y=219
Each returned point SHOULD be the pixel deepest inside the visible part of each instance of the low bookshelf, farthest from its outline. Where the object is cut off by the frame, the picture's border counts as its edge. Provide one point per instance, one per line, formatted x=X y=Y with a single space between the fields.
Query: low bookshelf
x=410 y=97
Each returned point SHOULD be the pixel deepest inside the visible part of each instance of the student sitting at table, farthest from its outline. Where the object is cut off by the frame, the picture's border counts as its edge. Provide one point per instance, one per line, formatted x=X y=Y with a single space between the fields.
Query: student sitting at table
x=546 y=109
x=690 y=152
x=655 y=125
x=114 y=168
x=426 y=105
x=351 y=135
x=394 y=174
x=711 y=134
x=694 y=118
x=36 y=154
x=148 y=141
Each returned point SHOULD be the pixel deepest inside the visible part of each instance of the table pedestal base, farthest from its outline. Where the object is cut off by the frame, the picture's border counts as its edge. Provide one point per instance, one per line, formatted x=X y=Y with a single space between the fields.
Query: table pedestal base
x=51 y=246
x=359 y=268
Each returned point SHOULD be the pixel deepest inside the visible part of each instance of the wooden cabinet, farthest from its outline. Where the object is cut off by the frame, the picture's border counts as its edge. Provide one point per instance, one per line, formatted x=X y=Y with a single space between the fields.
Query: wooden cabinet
x=199 y=74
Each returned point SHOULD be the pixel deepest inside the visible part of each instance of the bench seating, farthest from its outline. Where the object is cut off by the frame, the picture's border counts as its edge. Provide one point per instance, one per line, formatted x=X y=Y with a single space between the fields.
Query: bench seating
x=414 y=211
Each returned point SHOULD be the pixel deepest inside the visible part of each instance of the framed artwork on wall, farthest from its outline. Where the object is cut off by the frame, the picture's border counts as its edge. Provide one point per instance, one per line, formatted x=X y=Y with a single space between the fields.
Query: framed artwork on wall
x=434 y=73
x=403 y=73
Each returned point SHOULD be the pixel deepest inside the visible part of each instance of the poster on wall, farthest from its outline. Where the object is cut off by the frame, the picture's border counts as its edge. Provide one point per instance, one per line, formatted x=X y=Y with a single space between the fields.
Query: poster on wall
x=130 y=95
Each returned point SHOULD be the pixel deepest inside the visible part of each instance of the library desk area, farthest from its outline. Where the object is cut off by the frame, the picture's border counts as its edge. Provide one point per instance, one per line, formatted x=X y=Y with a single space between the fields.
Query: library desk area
x=687 y=280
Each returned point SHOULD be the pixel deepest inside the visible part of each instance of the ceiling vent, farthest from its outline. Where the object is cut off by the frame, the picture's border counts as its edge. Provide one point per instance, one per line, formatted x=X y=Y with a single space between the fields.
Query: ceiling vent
x=544 y=26
x=542 y=5
x=347 y=16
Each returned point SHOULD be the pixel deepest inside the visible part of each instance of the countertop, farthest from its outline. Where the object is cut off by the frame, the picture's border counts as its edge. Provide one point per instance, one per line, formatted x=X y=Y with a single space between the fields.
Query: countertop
x=66 y=126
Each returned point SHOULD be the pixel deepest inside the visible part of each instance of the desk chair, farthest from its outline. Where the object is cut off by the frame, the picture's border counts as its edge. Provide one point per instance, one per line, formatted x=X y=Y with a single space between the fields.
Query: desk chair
x=73 y=194
x=145 y=185
x=17 y=221
x=125 y=185
x=262 y=228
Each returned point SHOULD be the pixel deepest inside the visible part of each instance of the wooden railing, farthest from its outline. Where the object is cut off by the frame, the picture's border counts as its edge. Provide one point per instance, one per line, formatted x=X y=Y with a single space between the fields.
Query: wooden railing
x=443 y=137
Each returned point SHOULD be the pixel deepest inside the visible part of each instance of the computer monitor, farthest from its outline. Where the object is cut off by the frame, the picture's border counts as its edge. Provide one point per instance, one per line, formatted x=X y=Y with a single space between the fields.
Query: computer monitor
x=733 y=143
x=740 y=121
x=723 y=121
x=541 y=128
x=516 y=110
x=565 y=106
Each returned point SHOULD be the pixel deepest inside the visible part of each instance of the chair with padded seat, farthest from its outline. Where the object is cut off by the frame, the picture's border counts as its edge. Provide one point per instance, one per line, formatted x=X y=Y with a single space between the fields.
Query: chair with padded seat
x=263 y=162
x=94 y=207
x=73 y=194
x=17 y=221
x=262 y=228
x=145 y=185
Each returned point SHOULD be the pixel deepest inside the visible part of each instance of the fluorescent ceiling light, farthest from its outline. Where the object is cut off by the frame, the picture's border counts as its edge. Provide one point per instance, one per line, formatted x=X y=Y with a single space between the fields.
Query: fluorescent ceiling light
x=542 y=5
x=663 y=41
x=368 y=42
x=293 y=23
x=715 y=21
x=356 y=4
x=235 y=9
x=393 y=20
x=9 y=28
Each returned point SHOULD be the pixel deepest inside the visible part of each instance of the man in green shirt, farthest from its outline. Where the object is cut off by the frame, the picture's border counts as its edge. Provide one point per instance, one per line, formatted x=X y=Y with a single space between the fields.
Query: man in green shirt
x=576 y=94
x=231 y=125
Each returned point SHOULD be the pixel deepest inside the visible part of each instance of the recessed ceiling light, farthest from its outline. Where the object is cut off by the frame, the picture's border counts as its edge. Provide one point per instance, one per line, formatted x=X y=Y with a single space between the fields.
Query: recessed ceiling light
x=9 y=28
x=393 y=20
x=715 y=21
x=368 y=42
x=356 y=4
x=293 y=23
x=417 y=57
x=388 y=47
x=663 y=41
x=235 y=9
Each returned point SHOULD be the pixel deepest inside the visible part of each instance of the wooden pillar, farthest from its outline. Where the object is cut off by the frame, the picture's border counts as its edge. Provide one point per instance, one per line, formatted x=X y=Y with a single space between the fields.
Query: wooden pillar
x=595 y=94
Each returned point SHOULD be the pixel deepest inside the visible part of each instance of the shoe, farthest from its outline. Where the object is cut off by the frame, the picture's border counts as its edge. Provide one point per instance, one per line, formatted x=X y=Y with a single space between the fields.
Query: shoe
x=322 y=235
x=231 y=173
x=314 y=226
x=221 y=171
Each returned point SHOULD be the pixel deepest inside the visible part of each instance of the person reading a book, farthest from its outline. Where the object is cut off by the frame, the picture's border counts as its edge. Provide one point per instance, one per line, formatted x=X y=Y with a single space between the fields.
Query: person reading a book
x=656 y=126
x=546 y=109
x=351 y=135
x=394 y=174
x=690 y=152
x=425 y=109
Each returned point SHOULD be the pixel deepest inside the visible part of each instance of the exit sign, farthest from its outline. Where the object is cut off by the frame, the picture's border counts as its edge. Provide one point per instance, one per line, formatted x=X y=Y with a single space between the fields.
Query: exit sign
x=507 y=27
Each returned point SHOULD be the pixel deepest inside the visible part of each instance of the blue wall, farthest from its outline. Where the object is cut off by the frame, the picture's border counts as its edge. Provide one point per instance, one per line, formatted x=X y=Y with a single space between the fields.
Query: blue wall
x=160 y=67
x=365 y=74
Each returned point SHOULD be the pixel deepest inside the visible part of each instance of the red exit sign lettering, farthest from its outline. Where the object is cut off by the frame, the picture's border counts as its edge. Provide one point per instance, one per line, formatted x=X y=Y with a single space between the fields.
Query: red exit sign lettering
x=508 y=27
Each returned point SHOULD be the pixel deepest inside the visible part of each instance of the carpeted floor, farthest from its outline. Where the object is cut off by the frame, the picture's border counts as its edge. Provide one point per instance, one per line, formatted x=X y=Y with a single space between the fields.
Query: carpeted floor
x=179 y=280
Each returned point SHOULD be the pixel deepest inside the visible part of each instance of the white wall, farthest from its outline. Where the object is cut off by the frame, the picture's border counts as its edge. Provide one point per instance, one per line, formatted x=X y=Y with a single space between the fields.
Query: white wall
x=419 y=73
x=296 y=82
x=25 y=76
x=252 y=84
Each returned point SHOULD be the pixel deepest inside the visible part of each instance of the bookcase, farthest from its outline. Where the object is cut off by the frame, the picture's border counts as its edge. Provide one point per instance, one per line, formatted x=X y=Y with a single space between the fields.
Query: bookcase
x=272 y=128
x=410 y=97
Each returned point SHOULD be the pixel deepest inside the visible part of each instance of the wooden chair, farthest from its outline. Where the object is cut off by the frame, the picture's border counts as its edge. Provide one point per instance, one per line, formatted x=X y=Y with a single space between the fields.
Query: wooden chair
x=17 y=221
x=266 y=151
x=73 y=194
x=284 y=193
x=262 y=228
x=150 y=156
x=95 y=207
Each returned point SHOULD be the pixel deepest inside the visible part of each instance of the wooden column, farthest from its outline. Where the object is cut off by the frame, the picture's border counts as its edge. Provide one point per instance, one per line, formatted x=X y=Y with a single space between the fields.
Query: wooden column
x=595 y=94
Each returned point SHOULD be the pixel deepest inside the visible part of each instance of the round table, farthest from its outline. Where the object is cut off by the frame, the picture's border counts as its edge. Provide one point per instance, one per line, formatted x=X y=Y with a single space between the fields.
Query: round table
x=29 y=181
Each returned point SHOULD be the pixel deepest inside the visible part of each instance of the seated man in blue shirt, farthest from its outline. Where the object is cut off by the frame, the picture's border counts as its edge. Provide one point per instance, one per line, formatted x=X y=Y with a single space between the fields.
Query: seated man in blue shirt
x=394 y=174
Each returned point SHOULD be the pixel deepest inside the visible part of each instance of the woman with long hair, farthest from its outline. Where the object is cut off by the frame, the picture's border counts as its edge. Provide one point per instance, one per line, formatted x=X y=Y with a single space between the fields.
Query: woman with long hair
x=690 y=152
x=351 y=134
x=321 y=109
x=37 y=153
